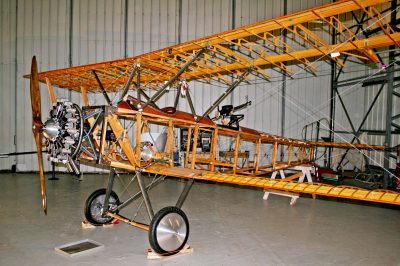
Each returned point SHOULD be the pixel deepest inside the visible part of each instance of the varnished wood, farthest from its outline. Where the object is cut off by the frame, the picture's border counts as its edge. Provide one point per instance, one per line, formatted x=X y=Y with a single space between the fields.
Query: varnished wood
x=383 y=196
x=229 y=54
x=246 y=133
x=293 y=176
x=43 y=194
x=214 y=143
x=84 y=96
x=37 y=126
x=290 y=148
x=127 y=221
x=145 y=127
x=248 y=176
x=274 y=154
x=257 y=155
x=236 y=156
x=123 y=140
x=50 y=90
x=170 y=141
x=159 y=66
x=190 y=130
x=194 y=148
x=103 y=134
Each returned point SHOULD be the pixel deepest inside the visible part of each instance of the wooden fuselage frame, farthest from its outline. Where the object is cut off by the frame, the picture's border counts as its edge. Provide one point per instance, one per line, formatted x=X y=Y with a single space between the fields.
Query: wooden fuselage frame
x=123 y=153
x=298 y=152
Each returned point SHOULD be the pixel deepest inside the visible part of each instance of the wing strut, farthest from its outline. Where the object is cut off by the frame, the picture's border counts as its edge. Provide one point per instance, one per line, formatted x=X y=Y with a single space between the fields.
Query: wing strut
x=161 y=91
x=225 y=94
x=147 y=97
x=188 y=98
x=178 y=94
x=102 y=88
x=136 y=68
x=138 y=88
x=140 y=92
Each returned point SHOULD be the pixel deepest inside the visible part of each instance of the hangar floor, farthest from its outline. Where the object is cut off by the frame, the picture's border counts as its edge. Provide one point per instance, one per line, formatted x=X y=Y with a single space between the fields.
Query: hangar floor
x=228 y=226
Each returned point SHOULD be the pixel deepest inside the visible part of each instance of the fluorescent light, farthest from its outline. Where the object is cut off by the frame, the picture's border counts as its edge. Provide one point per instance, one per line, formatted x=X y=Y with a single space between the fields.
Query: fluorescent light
x=335 y=54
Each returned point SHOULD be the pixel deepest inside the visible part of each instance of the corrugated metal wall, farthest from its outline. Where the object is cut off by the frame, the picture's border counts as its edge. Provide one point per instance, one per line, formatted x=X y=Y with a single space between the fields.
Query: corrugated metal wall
x=73 y=32
x=42 y=29
x=7 y=80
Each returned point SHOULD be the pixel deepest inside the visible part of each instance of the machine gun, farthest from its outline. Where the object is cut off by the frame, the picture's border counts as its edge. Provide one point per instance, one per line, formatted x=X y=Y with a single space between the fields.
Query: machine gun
x=227 y=117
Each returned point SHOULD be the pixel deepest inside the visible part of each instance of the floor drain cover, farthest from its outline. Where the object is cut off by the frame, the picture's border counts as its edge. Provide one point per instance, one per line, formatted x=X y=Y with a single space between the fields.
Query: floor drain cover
x=79 y=247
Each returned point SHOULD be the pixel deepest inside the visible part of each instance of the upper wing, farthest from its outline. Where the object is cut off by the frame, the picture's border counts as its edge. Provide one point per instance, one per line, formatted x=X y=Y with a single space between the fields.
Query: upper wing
x=271 y=45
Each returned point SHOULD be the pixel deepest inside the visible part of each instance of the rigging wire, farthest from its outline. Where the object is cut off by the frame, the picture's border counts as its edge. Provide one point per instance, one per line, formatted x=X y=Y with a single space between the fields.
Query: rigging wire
x=276 y=92
x=311 y=113
x=317 y=110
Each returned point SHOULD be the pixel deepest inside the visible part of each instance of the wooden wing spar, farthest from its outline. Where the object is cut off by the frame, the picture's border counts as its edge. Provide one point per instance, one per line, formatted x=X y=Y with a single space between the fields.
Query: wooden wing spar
x=260 y=47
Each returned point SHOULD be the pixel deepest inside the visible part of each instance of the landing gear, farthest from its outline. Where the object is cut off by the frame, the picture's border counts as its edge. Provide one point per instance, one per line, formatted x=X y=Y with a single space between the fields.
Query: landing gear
x=168 y=228
x=169 y=231
x=94 y=207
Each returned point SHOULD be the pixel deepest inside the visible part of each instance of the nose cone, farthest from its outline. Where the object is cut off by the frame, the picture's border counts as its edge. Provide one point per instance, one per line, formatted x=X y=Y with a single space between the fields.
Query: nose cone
x=51 y=129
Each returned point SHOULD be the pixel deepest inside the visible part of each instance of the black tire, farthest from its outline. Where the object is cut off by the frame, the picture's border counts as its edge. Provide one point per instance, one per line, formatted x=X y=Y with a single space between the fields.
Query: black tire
x=94 y=206
x=164 y=242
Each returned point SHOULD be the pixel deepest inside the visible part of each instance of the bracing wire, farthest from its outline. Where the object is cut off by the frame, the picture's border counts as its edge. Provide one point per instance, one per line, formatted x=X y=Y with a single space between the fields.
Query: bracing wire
x=277 y=91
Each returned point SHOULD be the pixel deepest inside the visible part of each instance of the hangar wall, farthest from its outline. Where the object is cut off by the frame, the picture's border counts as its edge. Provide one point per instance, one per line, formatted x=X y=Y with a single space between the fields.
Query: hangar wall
x=7 y=80
x=62 y=33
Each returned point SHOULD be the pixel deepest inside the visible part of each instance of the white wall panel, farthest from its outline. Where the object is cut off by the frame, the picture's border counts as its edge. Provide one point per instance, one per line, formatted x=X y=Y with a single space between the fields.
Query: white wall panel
x=151 y=25
x=42 y=30
x=307 y=100
x=295 y=5
x=7 y=80
x=97 y=35
x=202 y=18
x=265 y=112
x=98 y=31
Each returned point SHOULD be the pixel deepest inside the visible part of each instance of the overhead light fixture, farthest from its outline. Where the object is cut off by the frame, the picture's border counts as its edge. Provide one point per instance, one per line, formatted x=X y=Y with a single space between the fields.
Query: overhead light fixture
x=335 y=54
x=317 y=21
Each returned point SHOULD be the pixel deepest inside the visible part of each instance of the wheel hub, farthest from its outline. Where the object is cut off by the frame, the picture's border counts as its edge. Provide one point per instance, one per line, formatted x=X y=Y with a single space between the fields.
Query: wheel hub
x=171 y=232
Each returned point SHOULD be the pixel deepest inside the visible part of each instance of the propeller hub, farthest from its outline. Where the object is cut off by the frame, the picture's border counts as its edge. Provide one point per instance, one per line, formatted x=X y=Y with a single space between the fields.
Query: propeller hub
x=51 y=129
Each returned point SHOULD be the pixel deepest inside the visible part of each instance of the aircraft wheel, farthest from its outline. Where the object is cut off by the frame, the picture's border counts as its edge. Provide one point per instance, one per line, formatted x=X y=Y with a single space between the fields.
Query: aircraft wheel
x=94 y=207
x=169 y=231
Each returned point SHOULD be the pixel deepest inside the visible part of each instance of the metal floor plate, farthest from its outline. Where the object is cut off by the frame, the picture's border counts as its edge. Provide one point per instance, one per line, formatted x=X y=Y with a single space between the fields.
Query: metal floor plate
x=79 y=247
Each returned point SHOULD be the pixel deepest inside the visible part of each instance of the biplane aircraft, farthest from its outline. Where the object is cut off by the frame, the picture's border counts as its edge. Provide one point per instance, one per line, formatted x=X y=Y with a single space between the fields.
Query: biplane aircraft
x=119 y=135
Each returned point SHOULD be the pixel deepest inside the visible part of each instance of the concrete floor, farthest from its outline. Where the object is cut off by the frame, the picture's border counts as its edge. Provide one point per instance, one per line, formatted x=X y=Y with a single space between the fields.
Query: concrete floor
x=228 y=226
